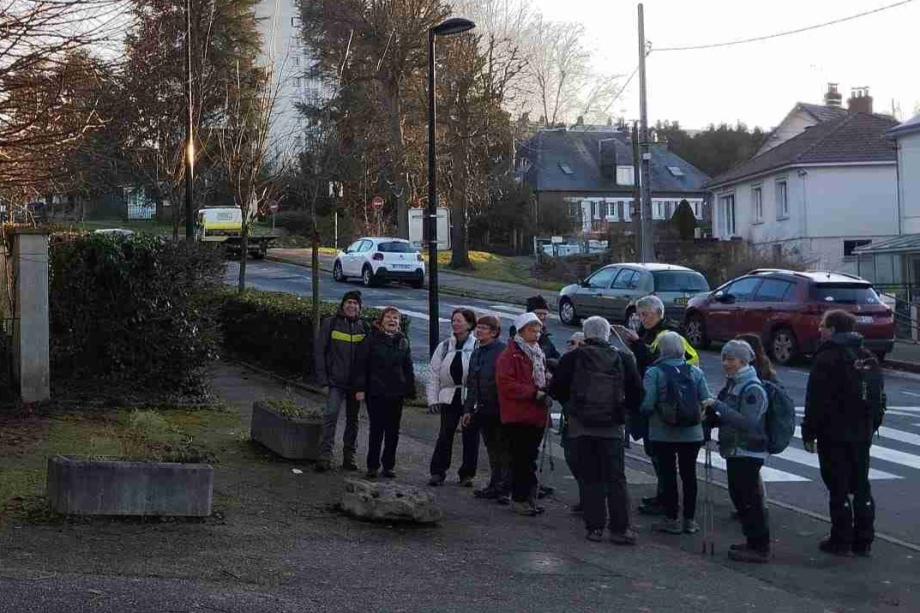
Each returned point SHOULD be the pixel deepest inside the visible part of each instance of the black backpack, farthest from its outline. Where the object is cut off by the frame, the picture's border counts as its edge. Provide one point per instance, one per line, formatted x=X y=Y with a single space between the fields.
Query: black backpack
x=869 y=383
x=598 y=394
x=680 y=406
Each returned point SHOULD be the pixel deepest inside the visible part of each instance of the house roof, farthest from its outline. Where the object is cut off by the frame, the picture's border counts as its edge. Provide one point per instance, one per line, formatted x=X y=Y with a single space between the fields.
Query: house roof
x=823 y=113
x=858 y=137
x=908 y=127
x=906 y=243
x=569 y=160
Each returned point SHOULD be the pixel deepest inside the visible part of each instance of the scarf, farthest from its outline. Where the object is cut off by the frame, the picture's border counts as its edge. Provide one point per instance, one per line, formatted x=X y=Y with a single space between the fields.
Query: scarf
x=535 y=353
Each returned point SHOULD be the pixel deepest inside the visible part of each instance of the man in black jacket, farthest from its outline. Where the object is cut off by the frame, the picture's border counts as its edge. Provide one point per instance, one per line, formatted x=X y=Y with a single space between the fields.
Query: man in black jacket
x=600 y=385
x=341 y=357
x=481 y=408
x=539 y=307
x=842 y=421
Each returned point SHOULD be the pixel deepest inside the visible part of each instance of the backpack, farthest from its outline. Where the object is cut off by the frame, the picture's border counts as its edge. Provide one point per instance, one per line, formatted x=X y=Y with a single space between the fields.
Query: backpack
x=598 y=393
x=780 y=418
x=870 y=386
x=681 y=405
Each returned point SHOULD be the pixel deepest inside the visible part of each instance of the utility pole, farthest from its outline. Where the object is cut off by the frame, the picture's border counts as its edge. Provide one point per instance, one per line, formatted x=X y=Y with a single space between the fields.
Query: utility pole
x=645 y=182
x=189 y=135
x=636 y=206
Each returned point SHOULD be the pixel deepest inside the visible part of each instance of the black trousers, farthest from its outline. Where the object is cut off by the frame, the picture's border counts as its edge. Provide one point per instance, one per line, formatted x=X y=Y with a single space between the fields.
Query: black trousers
x=845 y=471
x=384 y=415
x=493 y=437
x=602 y=482
x=672 y=456
x=523 y=446
x=647 y=448
x=744 y=487
x=444 y=448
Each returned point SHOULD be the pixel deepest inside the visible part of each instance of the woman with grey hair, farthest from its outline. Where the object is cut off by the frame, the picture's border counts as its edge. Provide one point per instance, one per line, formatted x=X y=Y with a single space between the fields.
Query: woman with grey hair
x=674 y=393
x=740 y=413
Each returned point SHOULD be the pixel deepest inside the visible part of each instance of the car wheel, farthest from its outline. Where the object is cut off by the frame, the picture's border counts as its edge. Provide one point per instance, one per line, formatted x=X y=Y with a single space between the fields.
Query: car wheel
x=337 y=273
x=567 y=312
x=417 y=283
x=367 y=276
x=783 y=346
x=696 y=332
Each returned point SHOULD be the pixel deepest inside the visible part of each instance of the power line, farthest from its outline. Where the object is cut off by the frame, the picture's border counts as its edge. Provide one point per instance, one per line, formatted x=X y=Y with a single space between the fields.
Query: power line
x=788 y=33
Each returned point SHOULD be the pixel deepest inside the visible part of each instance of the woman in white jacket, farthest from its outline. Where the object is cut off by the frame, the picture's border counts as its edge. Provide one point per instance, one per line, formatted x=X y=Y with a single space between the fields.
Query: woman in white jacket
x=450 y=364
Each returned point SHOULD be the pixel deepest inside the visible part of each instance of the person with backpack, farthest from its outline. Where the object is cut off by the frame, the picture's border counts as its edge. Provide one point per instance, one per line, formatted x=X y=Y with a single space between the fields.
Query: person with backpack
x=600 y=385
x=390 y=380
x=674 y=393
x=844 y=406
x=762 y=363
x=450 y=366
x=481 y=408
x=340 y=362
x=575 y=341
x=740 y=413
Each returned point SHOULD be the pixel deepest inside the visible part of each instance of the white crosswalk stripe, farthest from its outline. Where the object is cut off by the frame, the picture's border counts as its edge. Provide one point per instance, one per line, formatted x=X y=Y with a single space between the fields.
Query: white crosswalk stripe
x=516 y=310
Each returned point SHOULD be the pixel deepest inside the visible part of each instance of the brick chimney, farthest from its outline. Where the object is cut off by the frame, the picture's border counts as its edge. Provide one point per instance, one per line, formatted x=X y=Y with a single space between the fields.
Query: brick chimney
x=860 y=101
x=832 y=97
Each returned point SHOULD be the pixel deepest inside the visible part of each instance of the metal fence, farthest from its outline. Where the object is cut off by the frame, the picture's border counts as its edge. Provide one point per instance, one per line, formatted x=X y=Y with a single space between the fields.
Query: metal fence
x=906 y=308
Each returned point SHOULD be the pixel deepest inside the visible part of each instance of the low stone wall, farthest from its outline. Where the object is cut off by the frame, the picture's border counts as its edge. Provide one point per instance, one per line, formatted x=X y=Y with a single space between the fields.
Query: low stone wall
x=294 y=439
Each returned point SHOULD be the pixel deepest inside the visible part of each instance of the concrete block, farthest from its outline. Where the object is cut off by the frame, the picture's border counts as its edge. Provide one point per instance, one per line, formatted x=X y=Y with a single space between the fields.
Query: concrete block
x=102 y=487
x=389 y=502
x=291 y=438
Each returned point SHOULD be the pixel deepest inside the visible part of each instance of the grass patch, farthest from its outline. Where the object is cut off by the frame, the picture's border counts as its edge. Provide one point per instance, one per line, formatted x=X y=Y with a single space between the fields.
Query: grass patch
x=497 y=268
x=290 y=409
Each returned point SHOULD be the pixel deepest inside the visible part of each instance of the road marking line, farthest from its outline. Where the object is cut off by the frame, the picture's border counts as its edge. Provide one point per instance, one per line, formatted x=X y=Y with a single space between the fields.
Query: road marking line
x=480 y=311
x=883 y=453
x=914 y=394
x=767 y=473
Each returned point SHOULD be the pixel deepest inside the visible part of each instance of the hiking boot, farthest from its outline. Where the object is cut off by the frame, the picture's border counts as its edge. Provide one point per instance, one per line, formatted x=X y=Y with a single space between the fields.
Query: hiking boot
x=690 y=526
x=503 y=499
x=749 y=554
x=388 y=473
x=834 y=547
x=436 y=480
x=524 y=508
x=486 y=493
x=371 y=474
x=863 y=550
x=349 y=465
x=322 y=466
x=595 y=536
x=466 y=482
x=669 y=526
x=626 y=538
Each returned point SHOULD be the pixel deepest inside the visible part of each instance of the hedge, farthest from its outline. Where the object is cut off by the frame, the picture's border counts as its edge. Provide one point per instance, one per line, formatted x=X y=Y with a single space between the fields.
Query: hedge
x=274 y=329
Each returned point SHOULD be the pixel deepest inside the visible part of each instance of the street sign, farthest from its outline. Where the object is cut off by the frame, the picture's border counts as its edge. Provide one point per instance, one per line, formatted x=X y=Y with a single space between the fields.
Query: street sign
x=377 y=203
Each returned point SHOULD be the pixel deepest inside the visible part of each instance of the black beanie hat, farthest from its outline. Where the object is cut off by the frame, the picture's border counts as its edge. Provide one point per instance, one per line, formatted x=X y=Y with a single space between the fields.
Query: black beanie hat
x=536 y=302
x=351 y=295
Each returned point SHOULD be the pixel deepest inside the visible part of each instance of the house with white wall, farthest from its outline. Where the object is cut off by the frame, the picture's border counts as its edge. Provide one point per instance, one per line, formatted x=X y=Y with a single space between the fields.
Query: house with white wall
x=818 y=195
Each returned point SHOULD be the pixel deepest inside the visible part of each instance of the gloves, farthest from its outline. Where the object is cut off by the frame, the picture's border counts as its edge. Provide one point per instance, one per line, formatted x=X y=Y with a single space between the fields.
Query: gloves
x=434 y=409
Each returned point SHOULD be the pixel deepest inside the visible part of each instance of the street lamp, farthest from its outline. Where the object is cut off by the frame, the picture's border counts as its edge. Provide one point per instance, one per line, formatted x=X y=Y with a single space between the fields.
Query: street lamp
x=454 y=25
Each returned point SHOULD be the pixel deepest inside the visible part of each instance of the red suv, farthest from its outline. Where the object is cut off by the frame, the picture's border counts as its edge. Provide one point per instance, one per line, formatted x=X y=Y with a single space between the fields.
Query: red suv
x=784 y=308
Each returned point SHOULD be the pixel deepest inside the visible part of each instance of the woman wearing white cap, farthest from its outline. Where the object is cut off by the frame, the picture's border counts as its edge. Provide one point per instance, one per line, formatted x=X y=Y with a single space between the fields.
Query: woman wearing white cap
x=520 y=373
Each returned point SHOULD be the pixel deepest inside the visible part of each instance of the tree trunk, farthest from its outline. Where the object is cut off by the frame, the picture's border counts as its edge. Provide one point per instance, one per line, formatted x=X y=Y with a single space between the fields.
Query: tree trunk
x=460 y=256
x=399 y=161
x=244 y=255
x=314 y=274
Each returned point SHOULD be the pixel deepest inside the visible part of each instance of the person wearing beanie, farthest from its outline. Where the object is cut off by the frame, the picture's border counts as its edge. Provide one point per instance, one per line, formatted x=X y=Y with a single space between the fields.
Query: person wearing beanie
x=539 y=307
x=340 y=361
x=740 y=413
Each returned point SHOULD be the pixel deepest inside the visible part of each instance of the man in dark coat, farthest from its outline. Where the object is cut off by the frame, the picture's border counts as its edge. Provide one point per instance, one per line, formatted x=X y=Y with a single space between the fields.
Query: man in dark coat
x=841 y=421
x=539 y=307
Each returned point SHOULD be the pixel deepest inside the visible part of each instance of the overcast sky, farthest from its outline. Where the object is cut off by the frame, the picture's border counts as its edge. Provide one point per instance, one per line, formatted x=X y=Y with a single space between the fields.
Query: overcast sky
x=757 y=83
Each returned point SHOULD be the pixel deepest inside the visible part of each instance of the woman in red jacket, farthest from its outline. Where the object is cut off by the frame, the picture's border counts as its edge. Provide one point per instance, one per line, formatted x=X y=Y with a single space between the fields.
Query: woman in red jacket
x=521 y=377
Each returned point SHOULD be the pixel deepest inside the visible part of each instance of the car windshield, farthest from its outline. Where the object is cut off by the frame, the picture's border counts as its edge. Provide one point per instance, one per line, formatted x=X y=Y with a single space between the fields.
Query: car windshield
x=395 y=247
x=846 y=294
x=680 y=281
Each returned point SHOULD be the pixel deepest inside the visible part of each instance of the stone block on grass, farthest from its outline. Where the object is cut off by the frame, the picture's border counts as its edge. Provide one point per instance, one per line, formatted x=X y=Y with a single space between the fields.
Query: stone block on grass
x=389 y=502
x=289 y=437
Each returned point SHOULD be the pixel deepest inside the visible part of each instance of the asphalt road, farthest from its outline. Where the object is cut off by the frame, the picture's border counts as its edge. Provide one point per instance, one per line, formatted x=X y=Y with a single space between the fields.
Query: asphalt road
x=791 y=478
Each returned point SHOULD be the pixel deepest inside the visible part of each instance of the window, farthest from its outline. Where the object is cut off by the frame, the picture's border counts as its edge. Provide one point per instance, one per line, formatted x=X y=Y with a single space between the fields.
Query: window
x=602 y=278
x=757 y=203
x=772 y=290
x=626 y=175
x=743 y=289
x=614 y=213
x=658 y=209
x=593 y=209
x=675 y=171
x=849 y=246
x=565 y=168
x=574 y=211
x=696 y=204
x=625 y=207
x=365 y=246
x=603 y=208
x=395 y=247
x=679 y=281
x=846 y=294
x=727 y=215
x=627 y=279
x=782 y=199
x=353 y=248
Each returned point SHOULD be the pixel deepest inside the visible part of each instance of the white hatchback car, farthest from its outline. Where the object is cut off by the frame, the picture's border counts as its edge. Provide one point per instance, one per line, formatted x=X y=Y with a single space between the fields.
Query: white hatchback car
x=376 y=260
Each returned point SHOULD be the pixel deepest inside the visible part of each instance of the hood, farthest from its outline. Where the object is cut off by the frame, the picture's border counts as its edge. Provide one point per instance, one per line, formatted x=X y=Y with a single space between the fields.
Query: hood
x=846 y=339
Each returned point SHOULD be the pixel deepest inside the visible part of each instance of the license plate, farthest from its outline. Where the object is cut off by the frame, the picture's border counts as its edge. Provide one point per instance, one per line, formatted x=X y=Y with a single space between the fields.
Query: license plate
x=401 y=266
x=680 y=301
x=864 y=319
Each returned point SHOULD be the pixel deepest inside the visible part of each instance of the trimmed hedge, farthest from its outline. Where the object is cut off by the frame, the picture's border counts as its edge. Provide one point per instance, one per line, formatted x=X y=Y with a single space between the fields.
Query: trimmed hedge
x=275 y=330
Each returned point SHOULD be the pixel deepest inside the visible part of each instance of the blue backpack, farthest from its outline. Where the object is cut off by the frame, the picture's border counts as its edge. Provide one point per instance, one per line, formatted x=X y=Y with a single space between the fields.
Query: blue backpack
x=780 y=416
x=681 y=405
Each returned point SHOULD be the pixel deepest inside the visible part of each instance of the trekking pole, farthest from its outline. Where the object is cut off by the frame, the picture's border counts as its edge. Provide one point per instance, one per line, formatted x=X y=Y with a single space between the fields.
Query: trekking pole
x=708 y=515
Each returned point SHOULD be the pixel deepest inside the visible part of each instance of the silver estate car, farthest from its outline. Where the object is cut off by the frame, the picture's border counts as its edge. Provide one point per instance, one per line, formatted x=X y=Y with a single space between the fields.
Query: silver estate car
x=613 y=290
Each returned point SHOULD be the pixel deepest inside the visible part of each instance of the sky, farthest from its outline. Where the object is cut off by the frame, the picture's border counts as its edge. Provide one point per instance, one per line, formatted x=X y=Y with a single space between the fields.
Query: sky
x=756 y=83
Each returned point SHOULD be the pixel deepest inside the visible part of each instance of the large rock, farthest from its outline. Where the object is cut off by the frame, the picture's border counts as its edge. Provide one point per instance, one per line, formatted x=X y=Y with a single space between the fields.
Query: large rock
x=390 y=502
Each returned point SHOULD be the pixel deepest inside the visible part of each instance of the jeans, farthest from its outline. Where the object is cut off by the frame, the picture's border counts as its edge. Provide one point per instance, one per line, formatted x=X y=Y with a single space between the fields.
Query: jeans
x=444 y=448
x=524 y=447
x=493 y=437
x=672 y=456
x=845 y=471
x=602 y=483
x=745 y=488
x=331 y=419
x=384 y=415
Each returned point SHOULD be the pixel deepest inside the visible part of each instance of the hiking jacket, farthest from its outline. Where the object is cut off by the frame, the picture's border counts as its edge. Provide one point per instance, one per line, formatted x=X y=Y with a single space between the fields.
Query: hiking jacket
x=546 y=344
x=341 y=353
x=389 y=366
x=601 y=358
x=481 y=389
x=742 y=414
x=646 y=348
x=517 y=391
x=441 y=385
x=656 y=388
x=833 y=411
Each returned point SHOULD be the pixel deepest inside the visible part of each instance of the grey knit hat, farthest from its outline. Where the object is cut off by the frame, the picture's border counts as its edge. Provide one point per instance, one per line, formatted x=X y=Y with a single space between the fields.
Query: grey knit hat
x=738 y=349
